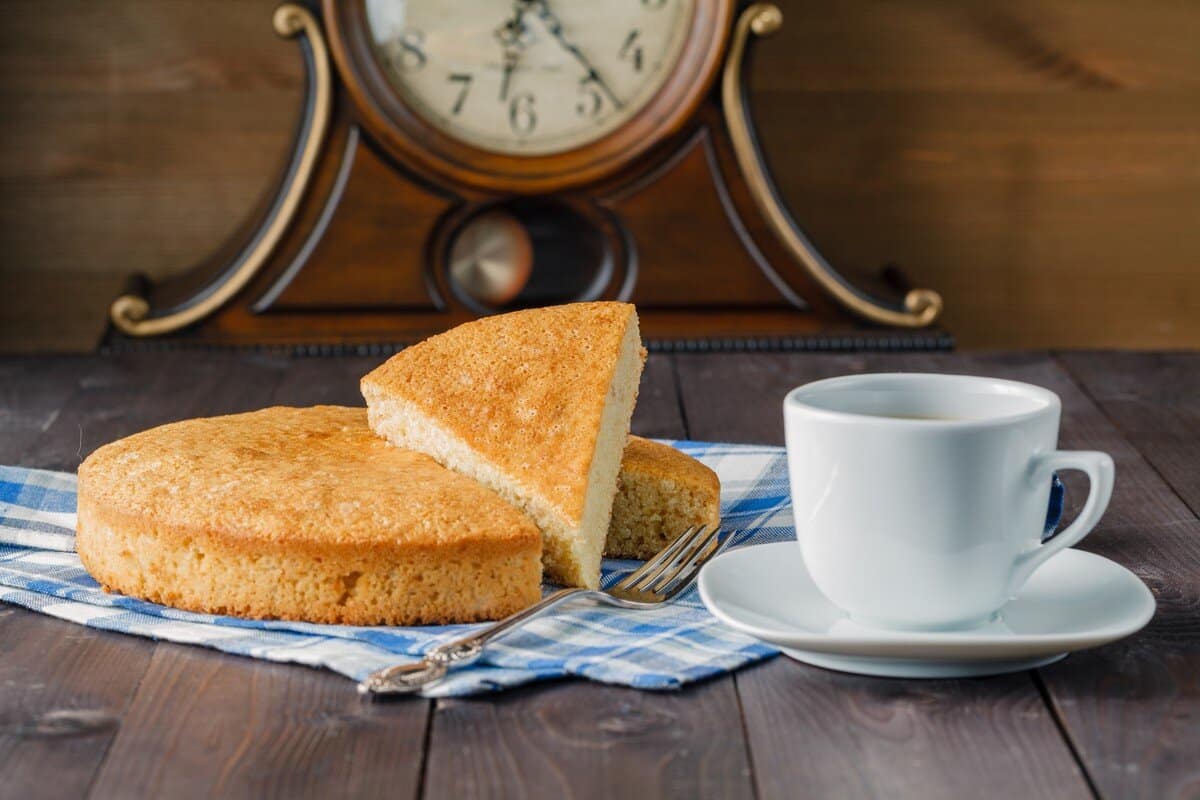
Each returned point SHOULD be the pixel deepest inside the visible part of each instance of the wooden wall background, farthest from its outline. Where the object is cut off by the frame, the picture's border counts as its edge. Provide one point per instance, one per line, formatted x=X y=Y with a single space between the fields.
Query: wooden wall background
x=1037 y=162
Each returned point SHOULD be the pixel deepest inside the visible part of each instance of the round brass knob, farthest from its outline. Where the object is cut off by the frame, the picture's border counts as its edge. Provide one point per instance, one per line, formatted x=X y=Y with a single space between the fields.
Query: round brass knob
x=491 y=258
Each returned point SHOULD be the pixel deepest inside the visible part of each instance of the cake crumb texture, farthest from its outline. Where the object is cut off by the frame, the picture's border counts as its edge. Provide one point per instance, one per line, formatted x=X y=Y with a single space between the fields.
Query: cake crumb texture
x=661 y=493
x=535 y=405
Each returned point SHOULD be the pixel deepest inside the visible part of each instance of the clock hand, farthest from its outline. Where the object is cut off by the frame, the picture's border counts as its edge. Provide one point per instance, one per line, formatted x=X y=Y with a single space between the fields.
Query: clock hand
x=554 y=26
x=509 y=36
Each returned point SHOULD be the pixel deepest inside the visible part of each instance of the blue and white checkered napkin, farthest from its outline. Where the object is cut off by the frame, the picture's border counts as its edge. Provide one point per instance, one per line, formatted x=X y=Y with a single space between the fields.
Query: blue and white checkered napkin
x=661 y=648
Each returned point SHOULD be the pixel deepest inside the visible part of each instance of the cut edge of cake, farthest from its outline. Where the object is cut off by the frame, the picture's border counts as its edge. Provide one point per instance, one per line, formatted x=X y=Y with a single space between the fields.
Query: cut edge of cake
x=662 y=492
x=572 y=547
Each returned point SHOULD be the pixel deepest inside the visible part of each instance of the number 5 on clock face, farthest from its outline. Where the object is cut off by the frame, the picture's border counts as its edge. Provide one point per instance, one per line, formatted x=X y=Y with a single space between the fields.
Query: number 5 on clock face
x=527 y=78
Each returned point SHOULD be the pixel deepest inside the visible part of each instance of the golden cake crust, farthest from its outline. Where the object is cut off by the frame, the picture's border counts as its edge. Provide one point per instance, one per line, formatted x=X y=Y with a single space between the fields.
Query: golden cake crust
x=522 y=388
x=300 y=513
x=658 y=460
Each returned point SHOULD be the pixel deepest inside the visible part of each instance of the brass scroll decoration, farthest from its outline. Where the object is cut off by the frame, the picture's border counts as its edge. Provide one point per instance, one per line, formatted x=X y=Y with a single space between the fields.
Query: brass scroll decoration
x=131 y=313
x=921 y=306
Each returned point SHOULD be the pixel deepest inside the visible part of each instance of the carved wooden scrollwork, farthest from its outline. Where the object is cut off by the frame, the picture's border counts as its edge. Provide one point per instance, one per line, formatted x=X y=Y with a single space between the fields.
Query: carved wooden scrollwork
x=921 y=307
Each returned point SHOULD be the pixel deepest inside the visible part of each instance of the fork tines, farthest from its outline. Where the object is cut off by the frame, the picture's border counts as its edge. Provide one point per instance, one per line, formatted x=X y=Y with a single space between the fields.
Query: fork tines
x=674 y=569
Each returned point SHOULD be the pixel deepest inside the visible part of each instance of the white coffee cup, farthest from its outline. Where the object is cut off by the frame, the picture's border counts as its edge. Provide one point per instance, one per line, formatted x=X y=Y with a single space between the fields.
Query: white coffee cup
x=920 y=499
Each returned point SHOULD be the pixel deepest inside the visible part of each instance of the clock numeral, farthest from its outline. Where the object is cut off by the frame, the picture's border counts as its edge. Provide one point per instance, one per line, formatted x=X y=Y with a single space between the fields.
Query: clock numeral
x=408 y=51
x=521 y=115
x=632 y=50
x=590 y=99
x=464 y=81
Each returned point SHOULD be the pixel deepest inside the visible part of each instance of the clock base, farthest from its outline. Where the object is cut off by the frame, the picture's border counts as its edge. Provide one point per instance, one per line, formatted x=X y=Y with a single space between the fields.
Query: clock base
x=824 y=341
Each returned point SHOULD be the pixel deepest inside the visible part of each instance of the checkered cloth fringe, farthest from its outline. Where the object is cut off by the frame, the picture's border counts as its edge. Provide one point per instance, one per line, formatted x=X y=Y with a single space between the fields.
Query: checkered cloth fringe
x=662 y=648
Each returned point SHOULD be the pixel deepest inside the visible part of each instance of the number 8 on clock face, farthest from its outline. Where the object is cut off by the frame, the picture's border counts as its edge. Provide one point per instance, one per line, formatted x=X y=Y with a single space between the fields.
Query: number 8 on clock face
x=527 y=78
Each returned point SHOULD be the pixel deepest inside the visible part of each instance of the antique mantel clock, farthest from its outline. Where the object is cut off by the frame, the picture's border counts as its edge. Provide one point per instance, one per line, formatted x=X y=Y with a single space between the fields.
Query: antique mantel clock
x=463 y=157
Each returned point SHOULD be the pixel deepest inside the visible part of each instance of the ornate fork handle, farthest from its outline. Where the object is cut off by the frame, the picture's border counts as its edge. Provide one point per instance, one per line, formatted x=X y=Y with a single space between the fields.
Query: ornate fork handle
x=408 y=678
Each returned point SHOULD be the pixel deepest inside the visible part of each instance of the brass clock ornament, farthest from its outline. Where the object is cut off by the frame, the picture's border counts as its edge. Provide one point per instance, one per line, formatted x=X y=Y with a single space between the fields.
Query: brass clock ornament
x=462 y=157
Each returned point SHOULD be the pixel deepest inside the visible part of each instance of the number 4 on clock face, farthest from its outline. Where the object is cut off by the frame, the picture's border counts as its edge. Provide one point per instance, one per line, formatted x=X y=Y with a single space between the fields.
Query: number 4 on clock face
x=536 y=78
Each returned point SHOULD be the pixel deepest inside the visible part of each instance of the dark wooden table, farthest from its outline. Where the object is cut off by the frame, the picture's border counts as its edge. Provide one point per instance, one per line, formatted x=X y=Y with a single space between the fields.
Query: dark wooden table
x=84 y=712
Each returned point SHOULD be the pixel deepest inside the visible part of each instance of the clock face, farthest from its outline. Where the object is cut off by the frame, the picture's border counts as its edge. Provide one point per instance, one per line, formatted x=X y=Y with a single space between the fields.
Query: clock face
x=528 y=78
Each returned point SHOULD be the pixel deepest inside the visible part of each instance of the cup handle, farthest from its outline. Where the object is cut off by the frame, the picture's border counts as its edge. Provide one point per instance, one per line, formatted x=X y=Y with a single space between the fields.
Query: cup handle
x=1099 y=469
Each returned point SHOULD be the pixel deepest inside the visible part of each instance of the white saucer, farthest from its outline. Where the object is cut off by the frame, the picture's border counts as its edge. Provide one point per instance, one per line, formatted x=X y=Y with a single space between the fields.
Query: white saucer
x=1074 y=601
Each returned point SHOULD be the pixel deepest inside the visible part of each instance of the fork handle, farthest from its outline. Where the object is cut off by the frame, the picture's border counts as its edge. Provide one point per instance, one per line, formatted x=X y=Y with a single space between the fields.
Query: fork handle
x=415 y=676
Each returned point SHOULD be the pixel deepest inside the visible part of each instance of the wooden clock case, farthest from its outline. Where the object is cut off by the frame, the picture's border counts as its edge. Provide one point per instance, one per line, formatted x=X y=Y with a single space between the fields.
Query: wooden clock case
x=674 y=211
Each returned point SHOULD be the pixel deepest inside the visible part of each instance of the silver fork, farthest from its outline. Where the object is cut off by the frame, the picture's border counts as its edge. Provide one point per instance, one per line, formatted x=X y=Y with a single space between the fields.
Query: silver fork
x=657 y=581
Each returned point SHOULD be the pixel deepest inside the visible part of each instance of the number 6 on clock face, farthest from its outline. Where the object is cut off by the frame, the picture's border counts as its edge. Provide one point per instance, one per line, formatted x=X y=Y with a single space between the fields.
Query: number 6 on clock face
x=534 y=77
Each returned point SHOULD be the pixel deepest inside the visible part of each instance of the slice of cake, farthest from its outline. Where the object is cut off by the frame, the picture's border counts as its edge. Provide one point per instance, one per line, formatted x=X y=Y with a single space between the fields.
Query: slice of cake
x=303 y=514
x=533 y=404
x=661 y=493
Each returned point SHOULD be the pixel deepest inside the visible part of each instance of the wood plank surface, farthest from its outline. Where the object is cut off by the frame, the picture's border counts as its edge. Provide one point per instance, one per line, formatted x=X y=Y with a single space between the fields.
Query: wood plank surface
x=324 y=381
x=586 y=740
x=580 y=739
x=1014 y=156
x=127 y=717
x=841 y=735
x=57 y=411
x=76 y=405
x=33 y=392
x=1130 y=708
x=1133 y=708
x=658 y=413
x=116 y=397
x=1024 y=159
x=53 y=312
x=205 y=724
x=1154 y=401
x=64 y=691
x=849 y=736
x=56 y=718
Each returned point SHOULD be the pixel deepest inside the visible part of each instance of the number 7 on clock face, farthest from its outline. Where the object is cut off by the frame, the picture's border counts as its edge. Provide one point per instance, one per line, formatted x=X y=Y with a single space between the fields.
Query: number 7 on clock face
x=527 y=78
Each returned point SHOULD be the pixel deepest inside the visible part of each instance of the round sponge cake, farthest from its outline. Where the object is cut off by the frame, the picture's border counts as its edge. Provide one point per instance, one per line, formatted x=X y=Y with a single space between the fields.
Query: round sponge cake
x=303 y=514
